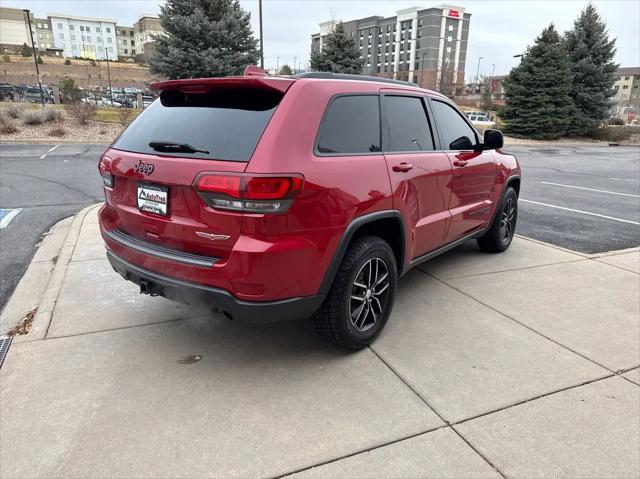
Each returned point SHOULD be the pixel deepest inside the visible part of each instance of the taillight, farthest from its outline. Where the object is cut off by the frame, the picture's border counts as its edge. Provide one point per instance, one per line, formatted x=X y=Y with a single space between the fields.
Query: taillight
x=249 y=194
x=105 y=171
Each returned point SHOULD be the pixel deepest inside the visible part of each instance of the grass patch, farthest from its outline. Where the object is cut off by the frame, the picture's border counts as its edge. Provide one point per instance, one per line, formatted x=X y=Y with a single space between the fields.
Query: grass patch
x=57 y=132
x=109 y=114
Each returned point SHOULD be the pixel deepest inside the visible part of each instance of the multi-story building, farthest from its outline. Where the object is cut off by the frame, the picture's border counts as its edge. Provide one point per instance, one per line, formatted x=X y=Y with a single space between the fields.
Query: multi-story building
x=147 y=26
x=43 y=35
x=126 y=42
x=14 y=31
x=627 y=86
x=85 y=37
x=426 y=46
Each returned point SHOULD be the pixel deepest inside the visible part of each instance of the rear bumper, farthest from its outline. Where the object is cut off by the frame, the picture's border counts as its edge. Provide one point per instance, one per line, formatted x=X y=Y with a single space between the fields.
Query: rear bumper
x=194 y=293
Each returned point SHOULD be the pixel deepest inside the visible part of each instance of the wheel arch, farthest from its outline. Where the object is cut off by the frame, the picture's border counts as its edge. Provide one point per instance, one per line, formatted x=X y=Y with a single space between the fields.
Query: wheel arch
x=514 y=182
x=387 y=225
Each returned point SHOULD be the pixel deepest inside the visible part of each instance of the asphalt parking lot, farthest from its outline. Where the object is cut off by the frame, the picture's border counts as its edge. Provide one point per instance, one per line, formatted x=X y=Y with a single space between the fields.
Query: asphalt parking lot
x=586 y=199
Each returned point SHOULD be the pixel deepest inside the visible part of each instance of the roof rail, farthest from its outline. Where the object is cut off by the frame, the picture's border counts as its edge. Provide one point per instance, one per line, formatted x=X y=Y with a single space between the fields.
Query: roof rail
x=346 y=76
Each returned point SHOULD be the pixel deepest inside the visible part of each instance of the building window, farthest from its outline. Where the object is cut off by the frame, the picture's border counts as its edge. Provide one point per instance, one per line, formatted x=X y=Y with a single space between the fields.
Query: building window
x=88 y=29
x=74 y=46
x=60 y=26
x=71 y=27
x=73 y=37
x=39 y=25
x=108 y=30
x=126 y=52
x=88 y=38
x=99 y=48
x=625 y=87
x=82 y=28
x=84 y=39
x=109 y=40
x=61 y=36
x=110 y=49
x=635 y=87
x=99 y=39
x=48 y=45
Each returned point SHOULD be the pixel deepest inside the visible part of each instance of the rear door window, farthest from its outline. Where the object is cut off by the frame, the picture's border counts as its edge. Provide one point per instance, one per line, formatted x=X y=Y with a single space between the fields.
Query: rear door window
x=223 y=125
x=407 y=124
x=351 y=125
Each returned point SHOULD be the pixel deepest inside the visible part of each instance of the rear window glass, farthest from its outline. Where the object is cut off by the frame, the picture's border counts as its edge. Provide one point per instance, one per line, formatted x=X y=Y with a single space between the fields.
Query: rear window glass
x=351 y=126
x=223 y=125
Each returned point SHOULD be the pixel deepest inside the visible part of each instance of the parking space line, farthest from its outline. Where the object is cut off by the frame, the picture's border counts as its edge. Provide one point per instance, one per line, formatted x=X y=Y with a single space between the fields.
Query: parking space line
x=625 y=179
x=50 y=150
x=7 y=215
x=590 y=189
x=581 y=212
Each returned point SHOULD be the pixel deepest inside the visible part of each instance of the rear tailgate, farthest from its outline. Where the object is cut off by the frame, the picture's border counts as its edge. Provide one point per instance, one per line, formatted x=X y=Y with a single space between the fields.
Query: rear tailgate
x=188 y=223
x=210 y=125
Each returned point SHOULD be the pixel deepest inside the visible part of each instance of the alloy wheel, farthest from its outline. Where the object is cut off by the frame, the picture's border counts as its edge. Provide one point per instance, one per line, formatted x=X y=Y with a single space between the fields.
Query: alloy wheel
x=507 y=219
x=369 y=294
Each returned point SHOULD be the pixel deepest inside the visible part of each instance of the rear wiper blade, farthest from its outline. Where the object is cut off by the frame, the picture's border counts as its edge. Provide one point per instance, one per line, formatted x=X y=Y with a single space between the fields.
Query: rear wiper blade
x=168 y=146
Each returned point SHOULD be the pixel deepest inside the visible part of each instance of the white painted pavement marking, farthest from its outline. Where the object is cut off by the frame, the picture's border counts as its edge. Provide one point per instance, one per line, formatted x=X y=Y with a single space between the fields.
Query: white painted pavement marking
x=624 y=179
x=50 y=150
x=7 y=215
x=580 y=211
x=589 y=189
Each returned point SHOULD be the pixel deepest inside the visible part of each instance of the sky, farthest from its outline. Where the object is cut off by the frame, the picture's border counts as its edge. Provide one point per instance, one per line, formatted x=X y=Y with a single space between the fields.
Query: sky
x=499 y=29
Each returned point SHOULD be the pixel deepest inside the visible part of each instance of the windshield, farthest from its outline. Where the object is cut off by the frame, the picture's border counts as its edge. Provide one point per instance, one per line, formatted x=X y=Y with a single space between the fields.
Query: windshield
x=223 y=125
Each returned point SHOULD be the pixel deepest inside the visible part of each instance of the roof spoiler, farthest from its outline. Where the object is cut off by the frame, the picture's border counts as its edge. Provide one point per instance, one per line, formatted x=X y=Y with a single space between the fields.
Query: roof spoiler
x=253 y=76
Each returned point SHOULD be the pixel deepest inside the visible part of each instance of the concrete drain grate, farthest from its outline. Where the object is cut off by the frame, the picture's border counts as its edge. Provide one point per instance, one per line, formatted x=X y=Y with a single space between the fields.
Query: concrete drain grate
x=5 y=342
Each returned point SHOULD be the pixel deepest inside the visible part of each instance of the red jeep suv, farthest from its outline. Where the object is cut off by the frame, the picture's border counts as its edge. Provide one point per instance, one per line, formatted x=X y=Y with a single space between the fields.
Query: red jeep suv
x=273 y=198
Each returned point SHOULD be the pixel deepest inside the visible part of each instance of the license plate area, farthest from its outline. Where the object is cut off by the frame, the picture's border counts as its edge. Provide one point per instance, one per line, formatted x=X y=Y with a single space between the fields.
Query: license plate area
x=153 y=199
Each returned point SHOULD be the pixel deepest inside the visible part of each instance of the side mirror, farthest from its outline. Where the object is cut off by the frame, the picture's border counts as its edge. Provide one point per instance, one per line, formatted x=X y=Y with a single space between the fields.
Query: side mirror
x=493 y=139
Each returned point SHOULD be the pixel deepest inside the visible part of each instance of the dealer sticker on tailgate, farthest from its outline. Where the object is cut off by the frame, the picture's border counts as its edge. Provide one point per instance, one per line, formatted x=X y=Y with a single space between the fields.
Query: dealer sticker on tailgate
x=153 y=199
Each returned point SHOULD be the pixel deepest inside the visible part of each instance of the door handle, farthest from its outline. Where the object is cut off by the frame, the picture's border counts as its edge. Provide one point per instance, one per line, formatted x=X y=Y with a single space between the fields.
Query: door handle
x=460 y=163
x=402 y=167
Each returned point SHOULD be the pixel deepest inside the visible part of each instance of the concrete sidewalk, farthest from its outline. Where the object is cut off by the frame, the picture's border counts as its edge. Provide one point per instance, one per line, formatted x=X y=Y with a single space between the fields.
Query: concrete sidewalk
x=523 y=364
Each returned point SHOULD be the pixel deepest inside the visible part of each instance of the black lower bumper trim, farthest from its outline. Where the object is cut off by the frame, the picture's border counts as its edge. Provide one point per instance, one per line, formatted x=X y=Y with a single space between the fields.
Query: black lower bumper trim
x=194 y=293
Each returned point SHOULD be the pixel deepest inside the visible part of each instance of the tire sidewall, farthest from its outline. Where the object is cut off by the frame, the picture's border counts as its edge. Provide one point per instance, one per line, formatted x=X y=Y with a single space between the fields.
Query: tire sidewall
x=510 y=193
x=380 y=250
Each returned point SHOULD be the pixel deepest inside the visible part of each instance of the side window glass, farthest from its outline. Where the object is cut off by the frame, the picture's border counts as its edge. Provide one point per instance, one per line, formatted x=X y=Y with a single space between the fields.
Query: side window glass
x=351 y=125
x=407 y=124
x=456 y=133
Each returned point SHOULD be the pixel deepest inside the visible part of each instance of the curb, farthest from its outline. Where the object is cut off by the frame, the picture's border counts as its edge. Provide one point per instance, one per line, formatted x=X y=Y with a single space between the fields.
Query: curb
x=43 y=317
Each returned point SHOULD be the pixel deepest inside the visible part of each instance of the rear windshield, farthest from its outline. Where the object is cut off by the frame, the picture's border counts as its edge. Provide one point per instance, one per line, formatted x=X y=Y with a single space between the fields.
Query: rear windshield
x=224 y=124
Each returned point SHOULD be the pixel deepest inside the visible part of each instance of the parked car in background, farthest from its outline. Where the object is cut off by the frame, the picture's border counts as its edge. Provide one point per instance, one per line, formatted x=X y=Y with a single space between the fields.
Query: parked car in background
x=480 y=120
x=32 y=95
x=239 y=193
x=147 y=100
x=8 y=92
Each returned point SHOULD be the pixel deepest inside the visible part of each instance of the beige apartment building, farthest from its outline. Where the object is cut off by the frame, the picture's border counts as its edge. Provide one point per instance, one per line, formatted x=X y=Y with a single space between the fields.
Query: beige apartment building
x=14 y=31
x=147 y=26
x=627 y=86
x=125 y=38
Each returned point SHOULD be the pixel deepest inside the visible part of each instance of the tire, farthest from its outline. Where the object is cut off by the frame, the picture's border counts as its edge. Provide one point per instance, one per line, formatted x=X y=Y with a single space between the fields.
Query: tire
x=500 y=234
x=337 y=320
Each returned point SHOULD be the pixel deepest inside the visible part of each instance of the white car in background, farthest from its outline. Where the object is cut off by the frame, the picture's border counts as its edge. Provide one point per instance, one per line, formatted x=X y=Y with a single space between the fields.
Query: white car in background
x=480 y=120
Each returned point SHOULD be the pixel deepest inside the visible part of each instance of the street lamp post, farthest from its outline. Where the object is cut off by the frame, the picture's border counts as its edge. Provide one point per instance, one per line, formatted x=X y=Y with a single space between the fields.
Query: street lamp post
x=261 y=37
x=109 y=76
x=35 y=58
x=478 y=73
x=294 y=64
x=277 y=65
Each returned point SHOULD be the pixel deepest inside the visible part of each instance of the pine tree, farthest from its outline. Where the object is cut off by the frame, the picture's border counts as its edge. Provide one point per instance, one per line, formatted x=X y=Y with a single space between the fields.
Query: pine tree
x=591 y=55
x=285 y=70
x=26 y=50
x=204 y=38
x=339 y=54
x=537 y=91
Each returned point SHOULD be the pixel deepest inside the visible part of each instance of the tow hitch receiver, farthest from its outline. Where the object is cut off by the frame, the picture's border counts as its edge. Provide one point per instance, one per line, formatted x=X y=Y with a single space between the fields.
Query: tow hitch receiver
x=149 y=287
